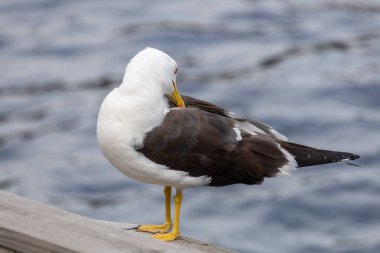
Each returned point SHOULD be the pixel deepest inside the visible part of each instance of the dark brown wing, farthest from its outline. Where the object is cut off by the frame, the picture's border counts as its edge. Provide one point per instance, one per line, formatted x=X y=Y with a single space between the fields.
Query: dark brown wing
x=258 y=140
x=204 y=143
x=248 y=125
x=304 y=155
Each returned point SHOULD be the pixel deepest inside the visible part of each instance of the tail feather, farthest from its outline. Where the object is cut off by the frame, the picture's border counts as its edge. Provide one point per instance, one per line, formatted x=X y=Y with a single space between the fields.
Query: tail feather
x=308 y=156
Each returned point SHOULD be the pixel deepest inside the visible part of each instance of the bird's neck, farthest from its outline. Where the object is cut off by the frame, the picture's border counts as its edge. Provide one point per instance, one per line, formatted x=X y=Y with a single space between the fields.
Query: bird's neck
x=133 y=111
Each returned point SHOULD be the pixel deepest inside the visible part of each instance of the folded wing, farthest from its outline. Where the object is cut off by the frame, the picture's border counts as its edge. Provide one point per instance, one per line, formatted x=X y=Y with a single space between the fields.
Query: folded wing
x=206 y=143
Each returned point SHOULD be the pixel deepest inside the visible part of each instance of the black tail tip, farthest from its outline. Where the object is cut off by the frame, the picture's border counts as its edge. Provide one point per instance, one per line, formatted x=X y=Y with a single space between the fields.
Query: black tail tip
x=353 y=157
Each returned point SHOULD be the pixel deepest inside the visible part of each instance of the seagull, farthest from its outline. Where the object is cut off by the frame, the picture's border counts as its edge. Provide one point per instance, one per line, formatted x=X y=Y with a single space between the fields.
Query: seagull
x=152 y=134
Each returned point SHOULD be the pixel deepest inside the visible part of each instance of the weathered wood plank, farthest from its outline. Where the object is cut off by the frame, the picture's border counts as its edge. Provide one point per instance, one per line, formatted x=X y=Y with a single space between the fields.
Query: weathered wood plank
x=4 y=250
x=31 y=227
x=183 y=241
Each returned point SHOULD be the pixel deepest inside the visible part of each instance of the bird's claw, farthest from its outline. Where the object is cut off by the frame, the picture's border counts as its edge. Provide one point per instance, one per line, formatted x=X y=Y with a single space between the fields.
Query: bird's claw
x=164 y=228
x=166 y=237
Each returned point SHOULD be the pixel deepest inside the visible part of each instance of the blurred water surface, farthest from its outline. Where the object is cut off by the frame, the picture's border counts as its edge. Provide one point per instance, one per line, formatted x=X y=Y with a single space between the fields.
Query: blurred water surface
x=311 y=69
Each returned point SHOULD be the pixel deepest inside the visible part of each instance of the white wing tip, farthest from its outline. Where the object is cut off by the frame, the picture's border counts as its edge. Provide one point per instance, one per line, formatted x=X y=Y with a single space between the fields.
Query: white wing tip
x=278 y=135
x=288 y=168
x=238 y=134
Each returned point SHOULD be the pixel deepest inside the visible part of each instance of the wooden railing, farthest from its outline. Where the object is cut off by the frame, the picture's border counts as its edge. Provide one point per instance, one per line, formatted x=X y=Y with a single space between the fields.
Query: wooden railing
x=30 y=227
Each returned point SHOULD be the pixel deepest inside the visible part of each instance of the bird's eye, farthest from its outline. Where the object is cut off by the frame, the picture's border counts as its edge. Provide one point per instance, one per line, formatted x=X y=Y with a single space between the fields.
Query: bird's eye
x=176 y=70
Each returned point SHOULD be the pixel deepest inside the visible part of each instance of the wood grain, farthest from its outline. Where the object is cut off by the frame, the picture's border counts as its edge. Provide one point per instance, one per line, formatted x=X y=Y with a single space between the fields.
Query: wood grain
x=30 y=227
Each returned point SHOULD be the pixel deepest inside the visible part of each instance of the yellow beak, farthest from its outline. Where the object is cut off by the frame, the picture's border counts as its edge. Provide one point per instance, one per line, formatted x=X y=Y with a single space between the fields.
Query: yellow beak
x=176 y=97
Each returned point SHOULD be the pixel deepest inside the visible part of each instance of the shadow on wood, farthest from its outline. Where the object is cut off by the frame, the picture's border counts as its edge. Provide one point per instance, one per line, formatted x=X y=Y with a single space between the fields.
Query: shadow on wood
x=30 y=227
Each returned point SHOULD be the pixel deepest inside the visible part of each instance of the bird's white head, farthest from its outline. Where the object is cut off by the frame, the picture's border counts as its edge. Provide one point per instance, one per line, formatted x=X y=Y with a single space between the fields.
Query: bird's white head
x=153 y=70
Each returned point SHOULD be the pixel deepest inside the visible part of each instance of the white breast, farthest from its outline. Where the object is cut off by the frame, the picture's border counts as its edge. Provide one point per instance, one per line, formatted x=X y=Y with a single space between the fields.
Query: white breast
x=123 y=122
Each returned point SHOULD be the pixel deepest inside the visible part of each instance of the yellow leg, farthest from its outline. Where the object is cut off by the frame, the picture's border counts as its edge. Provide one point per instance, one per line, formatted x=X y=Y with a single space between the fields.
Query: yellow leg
x=168 y=219
x=174 y=234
